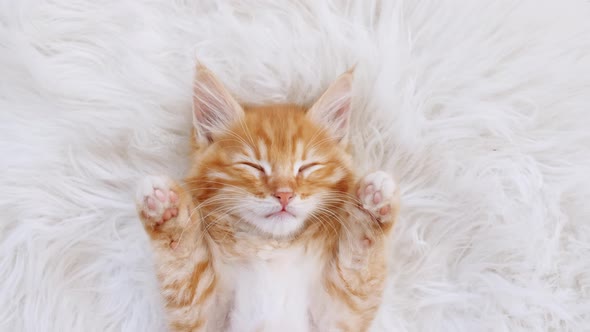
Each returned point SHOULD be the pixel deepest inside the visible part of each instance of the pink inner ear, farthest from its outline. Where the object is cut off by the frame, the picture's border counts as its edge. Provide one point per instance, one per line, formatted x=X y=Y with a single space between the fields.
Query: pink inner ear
x=205 y=117
x=342 y=113
x=332 y=110
x=214 y=108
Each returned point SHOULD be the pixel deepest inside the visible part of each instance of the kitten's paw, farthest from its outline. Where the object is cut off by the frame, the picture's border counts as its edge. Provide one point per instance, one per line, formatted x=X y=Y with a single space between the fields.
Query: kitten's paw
x=156 y=202
x=376 y=193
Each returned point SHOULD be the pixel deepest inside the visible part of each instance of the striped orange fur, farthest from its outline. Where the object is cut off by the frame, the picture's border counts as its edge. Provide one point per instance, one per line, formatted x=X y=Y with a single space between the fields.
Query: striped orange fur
x=271 y=215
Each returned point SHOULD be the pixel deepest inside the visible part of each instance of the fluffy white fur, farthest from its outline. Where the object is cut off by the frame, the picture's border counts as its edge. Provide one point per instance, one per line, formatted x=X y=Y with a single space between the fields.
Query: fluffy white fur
x=481 y=108
x=277 y=278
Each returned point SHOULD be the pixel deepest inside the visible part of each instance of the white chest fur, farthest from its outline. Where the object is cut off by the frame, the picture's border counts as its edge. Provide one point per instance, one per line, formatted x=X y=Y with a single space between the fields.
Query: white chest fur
x=273 y=292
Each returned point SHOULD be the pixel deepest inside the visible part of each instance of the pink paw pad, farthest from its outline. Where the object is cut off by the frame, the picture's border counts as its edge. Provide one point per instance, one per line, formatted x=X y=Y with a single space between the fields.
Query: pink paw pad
x=160 y=195
x=173 y=196
x=375 y=193
x=377 y=197
x=157 y=202
x=151 y=203
x=168 y=214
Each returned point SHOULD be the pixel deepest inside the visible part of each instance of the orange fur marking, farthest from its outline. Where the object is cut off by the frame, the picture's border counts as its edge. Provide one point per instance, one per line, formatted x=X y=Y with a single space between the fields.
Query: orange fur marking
x=260 y=152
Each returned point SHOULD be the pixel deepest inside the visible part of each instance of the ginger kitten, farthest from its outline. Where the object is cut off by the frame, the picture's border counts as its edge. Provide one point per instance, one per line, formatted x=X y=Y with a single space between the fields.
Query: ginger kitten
x=271 y=230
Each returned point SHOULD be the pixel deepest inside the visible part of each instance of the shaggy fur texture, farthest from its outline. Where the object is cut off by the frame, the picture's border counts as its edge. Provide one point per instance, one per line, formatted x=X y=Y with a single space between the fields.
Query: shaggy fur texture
x=482 y=109
x=271 y=230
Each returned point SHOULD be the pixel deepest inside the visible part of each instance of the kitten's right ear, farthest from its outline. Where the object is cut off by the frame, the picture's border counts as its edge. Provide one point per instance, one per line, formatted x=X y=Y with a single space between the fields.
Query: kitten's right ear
x=214 y=109
x=332 y=110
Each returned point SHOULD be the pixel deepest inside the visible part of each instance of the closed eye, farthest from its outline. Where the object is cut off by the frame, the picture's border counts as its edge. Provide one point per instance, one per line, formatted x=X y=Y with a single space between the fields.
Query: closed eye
x=255 y=166
x=308 y=168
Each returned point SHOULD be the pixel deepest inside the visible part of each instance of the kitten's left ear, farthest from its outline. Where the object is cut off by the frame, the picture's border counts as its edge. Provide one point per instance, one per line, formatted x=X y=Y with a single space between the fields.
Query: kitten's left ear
x=332 y=110
x=214 y=109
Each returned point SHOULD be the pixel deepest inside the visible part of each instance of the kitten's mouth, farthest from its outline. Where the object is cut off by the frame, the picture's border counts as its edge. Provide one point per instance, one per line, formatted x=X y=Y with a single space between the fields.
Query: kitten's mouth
x=281 y=213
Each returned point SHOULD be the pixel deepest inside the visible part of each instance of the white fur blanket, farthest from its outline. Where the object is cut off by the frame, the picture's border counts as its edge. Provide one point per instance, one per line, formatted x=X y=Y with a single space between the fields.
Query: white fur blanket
x=481 y=108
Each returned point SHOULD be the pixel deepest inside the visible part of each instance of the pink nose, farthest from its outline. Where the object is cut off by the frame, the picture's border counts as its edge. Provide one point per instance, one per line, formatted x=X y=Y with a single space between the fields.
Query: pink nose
x=284 y=197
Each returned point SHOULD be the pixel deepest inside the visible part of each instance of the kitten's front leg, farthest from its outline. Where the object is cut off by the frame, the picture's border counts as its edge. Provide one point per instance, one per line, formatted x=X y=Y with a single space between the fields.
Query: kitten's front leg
x=356 y=279
x=365 y=233
x=165 y=211
x=183 y=261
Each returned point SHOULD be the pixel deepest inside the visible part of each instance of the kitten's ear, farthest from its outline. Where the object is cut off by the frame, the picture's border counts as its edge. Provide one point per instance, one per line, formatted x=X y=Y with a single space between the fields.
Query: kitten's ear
x=214 y=109
x=332 y=110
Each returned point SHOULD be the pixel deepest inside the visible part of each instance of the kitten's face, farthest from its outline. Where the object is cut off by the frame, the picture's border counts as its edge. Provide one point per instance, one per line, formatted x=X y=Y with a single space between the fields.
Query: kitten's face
x=272 y=167
x=276 y=169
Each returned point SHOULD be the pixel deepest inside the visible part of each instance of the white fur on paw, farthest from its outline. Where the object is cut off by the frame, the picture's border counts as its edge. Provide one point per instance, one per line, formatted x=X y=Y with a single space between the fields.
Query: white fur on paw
x=376 y=193
x=155 y=200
